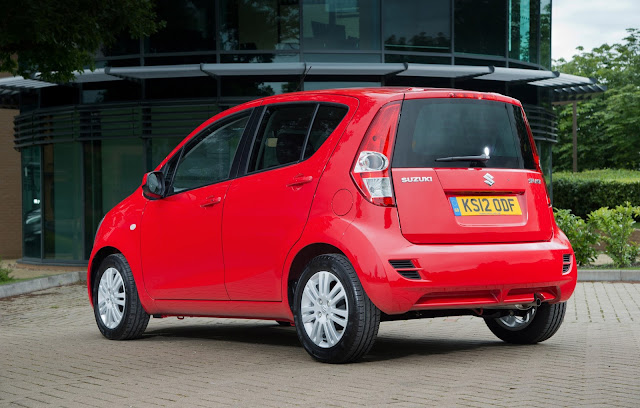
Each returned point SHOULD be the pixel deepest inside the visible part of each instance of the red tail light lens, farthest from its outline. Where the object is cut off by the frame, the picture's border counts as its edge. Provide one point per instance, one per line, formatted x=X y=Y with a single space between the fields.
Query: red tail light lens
x=370 y=171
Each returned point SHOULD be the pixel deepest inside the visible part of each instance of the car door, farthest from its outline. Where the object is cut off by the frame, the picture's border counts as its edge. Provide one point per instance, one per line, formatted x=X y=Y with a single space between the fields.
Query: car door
x=267 y=208
x=181 y=246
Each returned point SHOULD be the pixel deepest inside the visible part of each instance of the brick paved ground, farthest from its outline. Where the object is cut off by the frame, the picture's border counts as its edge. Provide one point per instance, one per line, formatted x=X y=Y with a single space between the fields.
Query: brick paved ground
x=51 y=353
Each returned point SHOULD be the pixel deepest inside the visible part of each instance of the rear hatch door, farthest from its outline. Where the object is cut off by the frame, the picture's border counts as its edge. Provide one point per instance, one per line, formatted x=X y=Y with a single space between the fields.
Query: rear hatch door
x=464 y=171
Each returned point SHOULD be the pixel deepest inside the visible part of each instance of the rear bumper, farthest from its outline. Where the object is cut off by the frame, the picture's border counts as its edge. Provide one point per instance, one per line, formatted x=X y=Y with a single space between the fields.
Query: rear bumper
x=462 y=276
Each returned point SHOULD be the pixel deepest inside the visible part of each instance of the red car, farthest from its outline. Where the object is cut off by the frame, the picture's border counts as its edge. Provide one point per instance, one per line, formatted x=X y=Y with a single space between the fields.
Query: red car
x=335 y=210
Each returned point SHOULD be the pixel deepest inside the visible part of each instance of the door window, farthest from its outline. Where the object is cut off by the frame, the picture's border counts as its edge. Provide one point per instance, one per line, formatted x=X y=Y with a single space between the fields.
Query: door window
x=208 y=157
x=281 y=136
x=326 y=121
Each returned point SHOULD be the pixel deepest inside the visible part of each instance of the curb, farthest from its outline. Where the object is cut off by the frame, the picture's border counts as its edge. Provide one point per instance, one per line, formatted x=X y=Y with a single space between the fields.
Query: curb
x=21 y=288
x=608 y=275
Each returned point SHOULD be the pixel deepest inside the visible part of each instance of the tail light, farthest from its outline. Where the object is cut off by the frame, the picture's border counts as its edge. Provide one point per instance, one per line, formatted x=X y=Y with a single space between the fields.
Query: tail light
x=370 y=171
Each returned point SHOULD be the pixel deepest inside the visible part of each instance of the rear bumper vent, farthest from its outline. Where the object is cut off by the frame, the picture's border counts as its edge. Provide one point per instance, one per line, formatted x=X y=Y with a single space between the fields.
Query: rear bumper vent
x=566 y=263
x=406 y=268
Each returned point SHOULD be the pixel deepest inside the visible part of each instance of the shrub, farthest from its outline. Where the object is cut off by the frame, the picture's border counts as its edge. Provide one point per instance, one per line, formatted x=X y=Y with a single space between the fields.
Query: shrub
x=579 y=233
x=616 y=226
x=5 y=273
x=589 y=190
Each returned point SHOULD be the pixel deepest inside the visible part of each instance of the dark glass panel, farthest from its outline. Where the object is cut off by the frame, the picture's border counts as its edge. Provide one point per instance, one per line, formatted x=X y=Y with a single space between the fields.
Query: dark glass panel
x=251 y=58
x=112 y=91
x=62 y=204
x=523 y=30
x=31 y=199
x=545 y=33
x=341 y=25
x=180 y=59
x=160 y=148
x=411 y=25
x=418 y=59
x=58 y=95
x=113 y=170
x=314 y=86
x=260 y=25
x=124 y=45
x=169 y=88
x=281 y=136
x=480 y=26
x=326 y=121
x=480 y=62
x=190 y=26
x=247 y=86
x=309 y=57
x=128 y=62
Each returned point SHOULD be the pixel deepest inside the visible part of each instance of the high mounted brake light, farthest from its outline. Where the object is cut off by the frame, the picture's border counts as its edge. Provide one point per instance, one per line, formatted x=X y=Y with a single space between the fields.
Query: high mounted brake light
x=370 y=171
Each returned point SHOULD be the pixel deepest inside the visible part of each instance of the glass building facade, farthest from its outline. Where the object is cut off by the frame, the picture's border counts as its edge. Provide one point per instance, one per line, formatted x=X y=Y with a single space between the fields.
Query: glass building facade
x=86 y=145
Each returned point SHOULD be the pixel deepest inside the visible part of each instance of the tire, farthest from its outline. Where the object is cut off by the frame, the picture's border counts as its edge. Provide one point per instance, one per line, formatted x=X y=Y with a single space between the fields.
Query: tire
x=538 y=325
x=116 y=305
x=335 y=320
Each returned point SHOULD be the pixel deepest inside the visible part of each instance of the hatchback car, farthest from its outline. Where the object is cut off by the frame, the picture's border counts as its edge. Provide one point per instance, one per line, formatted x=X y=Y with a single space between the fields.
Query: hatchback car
x=334 y=210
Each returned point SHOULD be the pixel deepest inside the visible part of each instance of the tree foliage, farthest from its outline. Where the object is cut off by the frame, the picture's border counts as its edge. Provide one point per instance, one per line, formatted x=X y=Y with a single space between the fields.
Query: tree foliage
x=609 y=124
x=58 y=38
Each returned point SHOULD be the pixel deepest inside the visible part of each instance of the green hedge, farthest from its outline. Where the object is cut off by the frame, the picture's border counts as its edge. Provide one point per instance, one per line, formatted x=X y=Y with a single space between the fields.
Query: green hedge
x=587 y=191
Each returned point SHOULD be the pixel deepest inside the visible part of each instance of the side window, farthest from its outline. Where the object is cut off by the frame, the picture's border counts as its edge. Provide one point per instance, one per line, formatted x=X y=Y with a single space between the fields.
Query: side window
x=281 y=136
x=208 y=157
x=327 y=120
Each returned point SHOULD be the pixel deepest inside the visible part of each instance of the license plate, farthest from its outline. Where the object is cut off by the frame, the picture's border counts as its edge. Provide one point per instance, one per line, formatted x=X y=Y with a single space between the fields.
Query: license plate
x=478 y=205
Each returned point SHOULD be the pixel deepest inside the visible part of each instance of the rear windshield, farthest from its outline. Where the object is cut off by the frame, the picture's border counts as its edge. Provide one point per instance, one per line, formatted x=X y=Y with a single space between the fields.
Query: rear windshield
x=460 y=133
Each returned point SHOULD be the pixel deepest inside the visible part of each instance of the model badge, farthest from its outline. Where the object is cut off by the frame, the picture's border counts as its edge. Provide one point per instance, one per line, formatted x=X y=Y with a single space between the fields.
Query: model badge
x=416 y=179
x=535 y=181
x=488 y=178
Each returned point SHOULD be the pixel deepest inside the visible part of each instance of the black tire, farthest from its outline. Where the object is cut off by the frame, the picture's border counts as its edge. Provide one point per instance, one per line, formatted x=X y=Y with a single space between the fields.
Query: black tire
x=134 y=319
x=545 y=323
x=363 y=320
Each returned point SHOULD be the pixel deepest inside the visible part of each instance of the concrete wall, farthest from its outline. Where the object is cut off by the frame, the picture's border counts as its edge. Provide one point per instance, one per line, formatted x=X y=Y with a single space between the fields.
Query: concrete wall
x=10 y=190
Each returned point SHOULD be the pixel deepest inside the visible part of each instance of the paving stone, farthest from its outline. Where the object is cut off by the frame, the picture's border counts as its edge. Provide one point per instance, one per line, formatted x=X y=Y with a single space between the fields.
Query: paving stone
x=52 y=354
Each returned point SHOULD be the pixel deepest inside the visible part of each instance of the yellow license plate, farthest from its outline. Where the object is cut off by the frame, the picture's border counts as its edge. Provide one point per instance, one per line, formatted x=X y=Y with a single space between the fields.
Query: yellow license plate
x=480 y=205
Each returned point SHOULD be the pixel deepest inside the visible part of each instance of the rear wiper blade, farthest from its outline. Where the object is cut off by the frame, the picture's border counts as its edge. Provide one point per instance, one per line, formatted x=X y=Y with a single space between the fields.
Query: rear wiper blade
x=482 y=157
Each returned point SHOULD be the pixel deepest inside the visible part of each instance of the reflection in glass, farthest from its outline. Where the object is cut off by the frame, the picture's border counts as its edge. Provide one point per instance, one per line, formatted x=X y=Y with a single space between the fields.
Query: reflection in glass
x=62 y=203
x=523 y=30
x=260 y=25
x=113 y=170
x=255 y=58
x=315 y=86
x=253 y=87
x=480 y=26
x=417 y=25
x=545 y=33
x=190 y=26
x=160 y=148
x=31 y=199
x=341 y=24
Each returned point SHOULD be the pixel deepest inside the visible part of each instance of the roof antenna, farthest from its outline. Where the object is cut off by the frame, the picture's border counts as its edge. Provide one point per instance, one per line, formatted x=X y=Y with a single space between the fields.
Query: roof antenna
x=304 y=75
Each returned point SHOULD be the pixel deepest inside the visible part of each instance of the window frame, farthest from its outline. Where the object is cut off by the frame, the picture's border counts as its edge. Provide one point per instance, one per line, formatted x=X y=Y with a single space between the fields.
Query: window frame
x=174 y=161
x=252 y=138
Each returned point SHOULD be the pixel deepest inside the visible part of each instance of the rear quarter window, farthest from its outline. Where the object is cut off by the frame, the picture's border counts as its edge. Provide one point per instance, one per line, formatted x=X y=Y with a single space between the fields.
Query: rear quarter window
x=430 y=129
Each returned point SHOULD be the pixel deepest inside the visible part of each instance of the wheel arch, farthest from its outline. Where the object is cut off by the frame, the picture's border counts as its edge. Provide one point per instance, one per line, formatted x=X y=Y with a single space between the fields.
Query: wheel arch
x=302 y=258
x=95 y=264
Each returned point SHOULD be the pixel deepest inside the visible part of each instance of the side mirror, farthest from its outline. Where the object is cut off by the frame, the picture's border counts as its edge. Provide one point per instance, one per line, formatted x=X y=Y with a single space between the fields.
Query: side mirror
x=154 y=187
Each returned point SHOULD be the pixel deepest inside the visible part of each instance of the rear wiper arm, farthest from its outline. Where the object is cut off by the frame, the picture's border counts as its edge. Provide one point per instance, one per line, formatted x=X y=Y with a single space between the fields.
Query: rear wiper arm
x=482 y=157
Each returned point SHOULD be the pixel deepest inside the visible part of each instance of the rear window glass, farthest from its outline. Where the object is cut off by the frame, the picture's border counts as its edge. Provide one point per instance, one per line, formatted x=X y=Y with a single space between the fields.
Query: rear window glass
x=459 y=132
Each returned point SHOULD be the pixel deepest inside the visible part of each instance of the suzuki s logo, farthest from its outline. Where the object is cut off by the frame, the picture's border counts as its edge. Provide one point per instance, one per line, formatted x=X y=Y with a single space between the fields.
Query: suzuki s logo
x=416 y=179
x=488 y=178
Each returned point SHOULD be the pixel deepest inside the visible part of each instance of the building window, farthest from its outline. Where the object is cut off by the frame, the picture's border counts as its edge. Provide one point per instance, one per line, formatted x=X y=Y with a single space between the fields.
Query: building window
x=190 y=27
x=31 y=200
x=62 y=204
x=545 y=33
x=423 y=26
x=480 y=26
x=260 y=25
x=523 y=30
x=341 y=24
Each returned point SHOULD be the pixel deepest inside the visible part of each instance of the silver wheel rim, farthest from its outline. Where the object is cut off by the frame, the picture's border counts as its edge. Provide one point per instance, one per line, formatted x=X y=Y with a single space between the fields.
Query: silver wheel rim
x=324 y=309
x=516 y=322
x=111 y=298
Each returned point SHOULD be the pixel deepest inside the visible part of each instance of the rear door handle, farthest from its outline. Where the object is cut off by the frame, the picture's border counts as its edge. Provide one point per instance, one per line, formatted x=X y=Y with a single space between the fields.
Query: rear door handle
x=211 y=201
x=300 y=180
